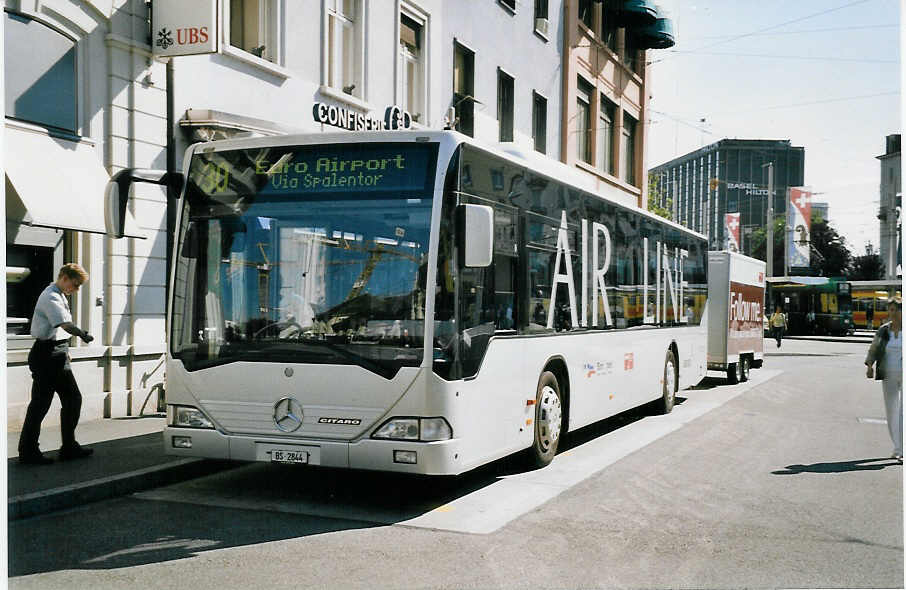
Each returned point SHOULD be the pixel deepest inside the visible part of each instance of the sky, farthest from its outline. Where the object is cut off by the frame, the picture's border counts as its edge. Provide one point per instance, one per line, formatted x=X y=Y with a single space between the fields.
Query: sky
x=825 y=74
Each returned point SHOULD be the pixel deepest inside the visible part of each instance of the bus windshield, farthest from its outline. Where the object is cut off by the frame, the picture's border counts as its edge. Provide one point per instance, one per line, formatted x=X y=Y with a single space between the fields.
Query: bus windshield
x=314 y=254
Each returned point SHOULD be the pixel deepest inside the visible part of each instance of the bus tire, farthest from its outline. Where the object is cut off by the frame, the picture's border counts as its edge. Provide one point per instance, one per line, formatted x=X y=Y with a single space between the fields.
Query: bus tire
x=548 y=419
x=746 y=366
x=668 y=391
x=734 y=371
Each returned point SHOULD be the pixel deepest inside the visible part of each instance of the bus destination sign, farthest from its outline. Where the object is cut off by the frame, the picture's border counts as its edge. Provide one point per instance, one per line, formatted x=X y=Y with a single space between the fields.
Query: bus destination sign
x=346 y=169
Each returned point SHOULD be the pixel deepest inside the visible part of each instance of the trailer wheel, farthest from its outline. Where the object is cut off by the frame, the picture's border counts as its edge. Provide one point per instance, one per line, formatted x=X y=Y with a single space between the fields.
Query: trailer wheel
x=548 y=419
x=745 y=368
x=668 y=393
x=734 y=373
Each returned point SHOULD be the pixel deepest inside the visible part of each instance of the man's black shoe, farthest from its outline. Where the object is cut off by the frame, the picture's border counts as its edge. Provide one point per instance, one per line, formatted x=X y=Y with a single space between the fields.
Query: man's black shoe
x=76 y=452
x=35 y=459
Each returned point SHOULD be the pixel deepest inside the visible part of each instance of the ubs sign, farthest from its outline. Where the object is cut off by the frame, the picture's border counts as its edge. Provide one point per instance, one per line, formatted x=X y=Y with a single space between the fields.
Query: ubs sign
x=184 y=28
x=394 y=118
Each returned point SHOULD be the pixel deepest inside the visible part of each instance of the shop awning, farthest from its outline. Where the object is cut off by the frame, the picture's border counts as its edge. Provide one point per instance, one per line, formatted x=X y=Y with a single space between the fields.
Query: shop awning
x=658 y=35
x=56 y=183
x=638 y=12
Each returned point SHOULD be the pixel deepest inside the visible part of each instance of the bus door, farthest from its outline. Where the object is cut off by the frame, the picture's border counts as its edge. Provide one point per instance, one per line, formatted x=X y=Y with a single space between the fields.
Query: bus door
x=488 y=314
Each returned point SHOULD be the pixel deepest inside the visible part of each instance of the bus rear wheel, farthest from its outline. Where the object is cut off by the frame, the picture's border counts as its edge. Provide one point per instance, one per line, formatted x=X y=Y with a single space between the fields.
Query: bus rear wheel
x=668 y=393
x=548 y=419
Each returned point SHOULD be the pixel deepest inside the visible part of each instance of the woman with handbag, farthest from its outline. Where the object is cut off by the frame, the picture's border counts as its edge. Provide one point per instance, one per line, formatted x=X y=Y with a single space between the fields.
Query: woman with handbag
x=885 y=364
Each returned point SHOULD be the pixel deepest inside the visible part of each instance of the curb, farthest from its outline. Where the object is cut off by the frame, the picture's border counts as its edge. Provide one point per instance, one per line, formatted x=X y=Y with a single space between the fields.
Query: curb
x=850 y=339
x=105 y=488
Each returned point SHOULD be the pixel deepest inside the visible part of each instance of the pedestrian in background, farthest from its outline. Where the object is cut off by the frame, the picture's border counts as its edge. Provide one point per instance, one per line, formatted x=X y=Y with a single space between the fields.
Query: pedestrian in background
x=885 y=363
x=778 y=324
x=51 y=372
x=870 y=316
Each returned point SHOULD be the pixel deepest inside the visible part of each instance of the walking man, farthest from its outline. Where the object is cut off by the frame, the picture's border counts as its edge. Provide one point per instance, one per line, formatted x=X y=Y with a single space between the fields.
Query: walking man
x=51 y=372
x=886 y=353
x=778 y=324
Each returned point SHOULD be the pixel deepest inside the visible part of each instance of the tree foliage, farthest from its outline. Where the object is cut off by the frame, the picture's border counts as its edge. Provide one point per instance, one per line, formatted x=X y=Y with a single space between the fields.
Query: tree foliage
x=869 y=266
x=829 y=254
x=667 y=211
x=757 y=245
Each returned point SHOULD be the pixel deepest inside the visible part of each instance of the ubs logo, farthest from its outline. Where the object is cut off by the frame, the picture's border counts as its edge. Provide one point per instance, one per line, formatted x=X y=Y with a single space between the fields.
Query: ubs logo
x=164 y=39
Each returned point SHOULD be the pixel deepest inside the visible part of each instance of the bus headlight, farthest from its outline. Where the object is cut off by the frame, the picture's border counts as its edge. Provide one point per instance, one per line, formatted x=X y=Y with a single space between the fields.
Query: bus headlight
x=435 y=429
x=419 y=429
x=187 y=417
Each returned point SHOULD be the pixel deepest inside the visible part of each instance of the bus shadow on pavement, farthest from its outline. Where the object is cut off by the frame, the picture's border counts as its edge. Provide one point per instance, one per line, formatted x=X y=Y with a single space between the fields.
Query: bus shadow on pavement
x=840 y=466
x=592 y=431
x=138 y=533
x=252 y=504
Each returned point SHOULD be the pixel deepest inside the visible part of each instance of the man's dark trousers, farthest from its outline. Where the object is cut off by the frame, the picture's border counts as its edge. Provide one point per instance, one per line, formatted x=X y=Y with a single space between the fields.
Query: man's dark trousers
x=777 y=333
x=51 y=372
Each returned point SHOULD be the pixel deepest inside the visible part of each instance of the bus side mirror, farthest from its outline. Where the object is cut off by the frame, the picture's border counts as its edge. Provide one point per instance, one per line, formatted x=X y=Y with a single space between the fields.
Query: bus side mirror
x=116 y=194
x=476 y=235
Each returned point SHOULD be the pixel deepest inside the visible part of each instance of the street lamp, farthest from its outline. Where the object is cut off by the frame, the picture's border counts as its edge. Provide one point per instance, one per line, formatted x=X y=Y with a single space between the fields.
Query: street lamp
x=769 y=246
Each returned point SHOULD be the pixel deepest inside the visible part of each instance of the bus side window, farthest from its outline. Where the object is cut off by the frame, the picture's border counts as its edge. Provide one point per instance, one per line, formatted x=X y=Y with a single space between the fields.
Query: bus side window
x=604 y=214
x=541 y=254
x=505 y=267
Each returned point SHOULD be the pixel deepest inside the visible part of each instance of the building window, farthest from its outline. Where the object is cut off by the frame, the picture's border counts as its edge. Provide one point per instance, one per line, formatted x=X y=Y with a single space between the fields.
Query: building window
x=253 y=28
x=511 y=4
x=627 y=149
x=605 y=135
x=29 y=270
x=541 y=18
x=344 y=62
x=609 y=24
x=412 y=67
x=505 y=105
x=583 y=121
x=539 y=122
x=40 y=72
x=540 y=8
x=585 y=13
x=463 y=88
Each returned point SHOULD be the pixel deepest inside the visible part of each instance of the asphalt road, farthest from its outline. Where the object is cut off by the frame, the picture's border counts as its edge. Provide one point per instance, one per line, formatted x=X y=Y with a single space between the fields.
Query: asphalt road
x=782 y=482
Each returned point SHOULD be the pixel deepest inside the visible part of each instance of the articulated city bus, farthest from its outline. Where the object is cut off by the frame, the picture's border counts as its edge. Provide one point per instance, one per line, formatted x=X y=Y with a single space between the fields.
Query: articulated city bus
x=411 y=301
x=813 y=305
x=870 y=301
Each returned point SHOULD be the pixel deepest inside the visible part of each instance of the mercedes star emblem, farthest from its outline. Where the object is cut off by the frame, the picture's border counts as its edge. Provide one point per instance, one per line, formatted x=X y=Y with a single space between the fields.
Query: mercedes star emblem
x=288 y=414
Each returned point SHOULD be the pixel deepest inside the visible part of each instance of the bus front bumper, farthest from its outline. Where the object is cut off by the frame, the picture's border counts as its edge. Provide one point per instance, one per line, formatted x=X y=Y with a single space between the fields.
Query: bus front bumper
x=430 y=458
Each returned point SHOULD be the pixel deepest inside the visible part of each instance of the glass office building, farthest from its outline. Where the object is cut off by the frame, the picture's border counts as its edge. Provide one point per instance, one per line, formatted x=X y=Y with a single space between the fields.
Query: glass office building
x=728 y=176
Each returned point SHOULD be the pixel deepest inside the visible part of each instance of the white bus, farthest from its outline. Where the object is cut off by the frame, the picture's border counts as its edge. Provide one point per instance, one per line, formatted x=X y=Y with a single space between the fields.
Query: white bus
x=411 y=301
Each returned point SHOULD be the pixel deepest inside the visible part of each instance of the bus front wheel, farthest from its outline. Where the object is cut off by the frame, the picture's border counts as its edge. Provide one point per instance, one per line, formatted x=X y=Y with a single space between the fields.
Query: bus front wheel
x=668 y=394
x=548 y=419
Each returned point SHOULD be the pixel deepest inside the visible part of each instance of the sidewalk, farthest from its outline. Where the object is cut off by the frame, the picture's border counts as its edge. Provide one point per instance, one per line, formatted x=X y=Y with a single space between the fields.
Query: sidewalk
x=128 y=457
x=860 y=336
